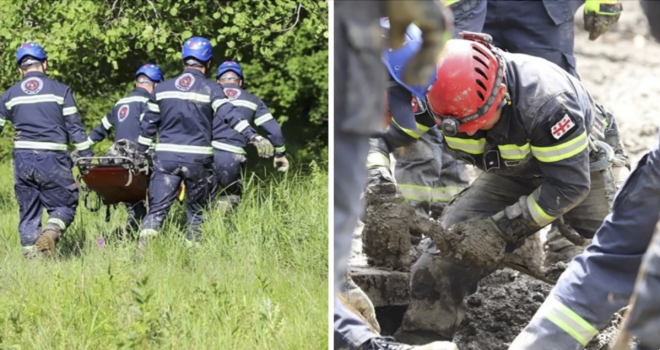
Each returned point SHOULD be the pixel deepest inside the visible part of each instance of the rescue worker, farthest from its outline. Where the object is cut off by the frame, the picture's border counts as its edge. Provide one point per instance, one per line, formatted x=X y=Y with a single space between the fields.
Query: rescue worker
x=125 y=118
x=181 y=112
x=229 y=153
x=546 y=29
x=359 y=82
x=424 y=175
x=599 y=282
x=46 y=119
x=534 y=131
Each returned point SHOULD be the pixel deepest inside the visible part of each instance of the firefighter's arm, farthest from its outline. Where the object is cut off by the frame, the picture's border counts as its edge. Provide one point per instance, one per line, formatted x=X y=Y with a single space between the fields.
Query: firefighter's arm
x=223 y=109
x=559 y=143
x=264 y=119
x=229 y=114
x=74 y=125
x=5 y=115
x=600 y=15
x=149 y=124
x=102 y=130
x=400 y=105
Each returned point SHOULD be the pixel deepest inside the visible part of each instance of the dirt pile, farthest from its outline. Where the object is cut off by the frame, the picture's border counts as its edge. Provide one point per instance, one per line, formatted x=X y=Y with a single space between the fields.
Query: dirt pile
x=504 y=304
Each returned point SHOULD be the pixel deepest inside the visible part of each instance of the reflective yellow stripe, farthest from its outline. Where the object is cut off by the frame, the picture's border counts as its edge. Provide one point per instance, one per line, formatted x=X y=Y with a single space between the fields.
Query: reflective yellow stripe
x=57 y=222
x=451 y=2
x=132 y=99
x=3 y=122
x=466 y=145
x=375 y=159
x=69 y=111
x=34 y=99
x=91 y=142
x=562 y=151
x=144 y=140
x=217 y=103
x=262 y=119
x=148 y=233
x=514 y=152
x=83 y=145
x=50 y=146
x=227 y=147
x=153 y=107
x=539 y=215
x=421 y=130
x=106 y=123
x=247 y=104
x=242 y=125
x=191 y=96
x=170 y=147
x=428 y=194
x=568 y=320
x=141 y=116
x=281 y=149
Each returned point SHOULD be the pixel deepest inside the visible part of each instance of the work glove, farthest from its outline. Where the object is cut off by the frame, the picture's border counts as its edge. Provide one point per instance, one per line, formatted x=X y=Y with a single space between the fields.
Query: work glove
x=436 y=23
x=281 y=163
x=356 y=298
x=479 y=243
x=264 y=147
x=599 y=15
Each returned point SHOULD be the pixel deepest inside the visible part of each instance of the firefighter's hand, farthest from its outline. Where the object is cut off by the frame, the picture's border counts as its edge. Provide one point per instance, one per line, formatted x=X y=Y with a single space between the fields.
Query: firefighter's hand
x=281 y=163
x=479 y=243
x=264 y=147
x=599 y=15
x=436 y=23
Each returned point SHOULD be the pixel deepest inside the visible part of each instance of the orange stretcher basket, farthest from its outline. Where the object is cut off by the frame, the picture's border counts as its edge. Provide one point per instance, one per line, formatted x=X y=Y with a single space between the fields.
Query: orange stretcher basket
x=113 y=179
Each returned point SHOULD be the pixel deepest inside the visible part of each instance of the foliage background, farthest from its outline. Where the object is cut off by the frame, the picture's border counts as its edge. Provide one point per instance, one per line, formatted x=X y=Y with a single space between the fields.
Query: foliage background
x=96 y=46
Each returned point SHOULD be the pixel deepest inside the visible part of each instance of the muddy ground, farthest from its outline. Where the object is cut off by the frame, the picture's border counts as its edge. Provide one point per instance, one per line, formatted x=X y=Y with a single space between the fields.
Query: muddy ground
x=621 y=70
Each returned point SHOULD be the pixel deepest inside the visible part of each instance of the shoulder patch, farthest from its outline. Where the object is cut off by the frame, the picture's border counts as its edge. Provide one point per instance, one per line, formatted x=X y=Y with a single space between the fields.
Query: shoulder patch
x=562 y=127
x=122 y=113
x=32 y=85
x=232 y=93
x=419 y=106
x=184 y=82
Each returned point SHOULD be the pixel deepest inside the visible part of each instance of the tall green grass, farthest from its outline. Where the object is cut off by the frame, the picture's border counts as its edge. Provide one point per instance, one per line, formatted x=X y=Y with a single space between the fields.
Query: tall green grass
x=259 y=280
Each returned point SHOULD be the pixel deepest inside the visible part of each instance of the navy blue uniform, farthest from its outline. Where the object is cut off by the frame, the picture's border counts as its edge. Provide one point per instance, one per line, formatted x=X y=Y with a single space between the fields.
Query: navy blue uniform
x=182 y=116
x=229 y=144
x=125 y=117
x=46 y=119
x=539 y=28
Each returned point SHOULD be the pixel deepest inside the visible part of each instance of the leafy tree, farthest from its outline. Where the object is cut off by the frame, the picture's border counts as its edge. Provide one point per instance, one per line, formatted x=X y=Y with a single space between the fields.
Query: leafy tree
x=96 y=46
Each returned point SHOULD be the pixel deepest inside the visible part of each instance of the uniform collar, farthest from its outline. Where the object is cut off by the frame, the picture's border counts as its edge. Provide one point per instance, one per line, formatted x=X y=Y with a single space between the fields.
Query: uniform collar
x=34 y=74
x=231 y=85
x=141 y=91
x=193 y=71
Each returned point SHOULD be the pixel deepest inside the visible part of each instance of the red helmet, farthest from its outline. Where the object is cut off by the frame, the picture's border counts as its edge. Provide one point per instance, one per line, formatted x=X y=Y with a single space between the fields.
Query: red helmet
x=469 y=76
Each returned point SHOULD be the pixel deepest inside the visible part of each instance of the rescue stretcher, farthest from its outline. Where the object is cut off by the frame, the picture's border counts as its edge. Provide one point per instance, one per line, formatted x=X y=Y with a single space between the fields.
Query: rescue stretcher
x=114 y=179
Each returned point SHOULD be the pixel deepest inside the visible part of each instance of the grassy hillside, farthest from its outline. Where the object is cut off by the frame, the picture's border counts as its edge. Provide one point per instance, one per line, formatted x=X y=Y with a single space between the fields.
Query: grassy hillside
x=259 y=281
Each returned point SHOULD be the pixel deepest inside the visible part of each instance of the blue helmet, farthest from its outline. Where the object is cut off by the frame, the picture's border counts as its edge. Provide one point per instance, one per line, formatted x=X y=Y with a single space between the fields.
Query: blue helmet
x=229 y=66
x=31 y=49
x=396 y=60
x=151 y=71
x=198 y=48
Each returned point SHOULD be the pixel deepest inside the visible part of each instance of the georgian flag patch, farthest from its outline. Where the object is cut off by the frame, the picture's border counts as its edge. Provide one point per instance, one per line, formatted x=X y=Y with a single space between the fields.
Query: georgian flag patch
x=562 y=127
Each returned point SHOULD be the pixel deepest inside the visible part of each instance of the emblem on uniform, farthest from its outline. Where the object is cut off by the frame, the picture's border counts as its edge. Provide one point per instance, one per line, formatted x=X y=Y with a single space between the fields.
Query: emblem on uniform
x=232 y=93
x=562 y=127
x=184 y=82
x=32 y=86
x=122 y=113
